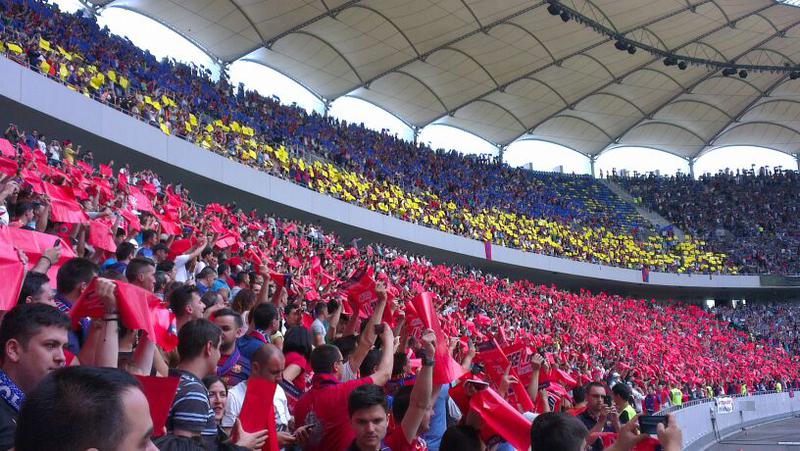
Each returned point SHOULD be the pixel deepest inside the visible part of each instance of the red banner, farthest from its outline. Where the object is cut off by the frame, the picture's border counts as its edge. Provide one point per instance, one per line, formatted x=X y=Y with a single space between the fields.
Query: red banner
x=138 y=309
x=504 y=419
x=12 y=272
x=446 y=369
x=258 y=410
x=160 y=393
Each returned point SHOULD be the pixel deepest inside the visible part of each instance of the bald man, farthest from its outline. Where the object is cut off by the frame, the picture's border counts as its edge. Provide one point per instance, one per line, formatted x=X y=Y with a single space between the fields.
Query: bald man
x=267 y=363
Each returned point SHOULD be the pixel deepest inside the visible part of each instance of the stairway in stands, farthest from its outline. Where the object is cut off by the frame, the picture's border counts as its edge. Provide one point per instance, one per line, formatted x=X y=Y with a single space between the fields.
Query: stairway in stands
x=656 y=219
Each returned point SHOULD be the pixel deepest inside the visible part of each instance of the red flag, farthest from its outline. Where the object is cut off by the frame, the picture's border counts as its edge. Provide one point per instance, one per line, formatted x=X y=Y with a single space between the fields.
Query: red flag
x=138 y=308
x=138 y=201
x=165 y=327
x=85 y=167
x=9 y=167
x=101 y=236
x=132 y=220
x=446 y=369
x=251 y=256
x=227 y=240
x=33 y=244
x=106 y=171
x=504 y=419
x=519 y=356
x=63 y=206
x=258 y=410
x=160 y=393
x=281 y=280
x=12 y=271
x=494 y=361
x=7 y=149
x=361 y=294
x=167 y=226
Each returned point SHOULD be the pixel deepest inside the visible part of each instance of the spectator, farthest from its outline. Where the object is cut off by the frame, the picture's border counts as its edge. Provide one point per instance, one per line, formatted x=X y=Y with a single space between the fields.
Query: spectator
x=36 y=288
x=32 y=337
x=322 y=405
x=218 y=397
x=191 y=415
x=319 y=328
x=297 y=349
x=622 y=396
x=558 y=432
x=369 y=418
x=141 y=272
x=600 y=414
x=233 y=367
x=264 y=322
x=412 y=407
x=148 y=242
x=184 y=301
x=122 y=256
x=111 y=409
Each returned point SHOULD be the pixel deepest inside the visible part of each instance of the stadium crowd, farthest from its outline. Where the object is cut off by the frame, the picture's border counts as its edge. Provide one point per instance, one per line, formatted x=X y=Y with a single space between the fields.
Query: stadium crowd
x=569 y=216
x=751 y=216
x=778 y=324
x=358 y=348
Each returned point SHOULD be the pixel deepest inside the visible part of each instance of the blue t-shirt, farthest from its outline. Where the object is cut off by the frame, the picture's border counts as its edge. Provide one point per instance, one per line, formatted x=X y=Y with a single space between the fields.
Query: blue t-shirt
x=439 y=419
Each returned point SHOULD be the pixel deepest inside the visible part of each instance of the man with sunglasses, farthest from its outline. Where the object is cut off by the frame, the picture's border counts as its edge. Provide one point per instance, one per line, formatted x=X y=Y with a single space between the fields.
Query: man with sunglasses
x=600 y=414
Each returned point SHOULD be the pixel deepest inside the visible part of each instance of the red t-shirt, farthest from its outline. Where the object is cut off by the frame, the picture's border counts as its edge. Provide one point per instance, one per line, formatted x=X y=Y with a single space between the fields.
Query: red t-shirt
x=397 y=441
x=325 y=406
x=665 y=397
x=301 y=381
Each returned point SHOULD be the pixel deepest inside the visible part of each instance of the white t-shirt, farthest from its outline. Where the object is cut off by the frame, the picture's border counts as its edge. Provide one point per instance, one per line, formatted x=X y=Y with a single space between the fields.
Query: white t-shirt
x=318 y=328
x=236 y=400
x=181 y=274
x=348 y=374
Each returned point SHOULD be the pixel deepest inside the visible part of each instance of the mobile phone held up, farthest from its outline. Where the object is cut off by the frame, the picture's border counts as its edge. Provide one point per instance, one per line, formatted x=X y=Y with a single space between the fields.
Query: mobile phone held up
x=607 y=400
x=648 y=424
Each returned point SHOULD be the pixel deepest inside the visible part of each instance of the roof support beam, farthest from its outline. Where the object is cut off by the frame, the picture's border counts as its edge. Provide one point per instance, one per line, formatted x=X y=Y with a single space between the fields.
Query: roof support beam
x=269 y=42
x=528 y=32
x=436 y=96
x=249 y=20
x=506 y=110
x=689 y=89
x=592 y=46
x=352 y=68
x=399 y=30
x=471 y=58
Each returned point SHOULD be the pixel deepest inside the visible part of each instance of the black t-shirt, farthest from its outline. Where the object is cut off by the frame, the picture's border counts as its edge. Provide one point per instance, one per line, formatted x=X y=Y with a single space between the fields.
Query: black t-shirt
x=590 y=422
x=8 y=424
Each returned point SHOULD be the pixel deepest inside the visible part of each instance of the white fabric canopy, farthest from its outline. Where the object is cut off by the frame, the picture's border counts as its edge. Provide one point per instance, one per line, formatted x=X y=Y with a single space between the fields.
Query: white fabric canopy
x=506 y=69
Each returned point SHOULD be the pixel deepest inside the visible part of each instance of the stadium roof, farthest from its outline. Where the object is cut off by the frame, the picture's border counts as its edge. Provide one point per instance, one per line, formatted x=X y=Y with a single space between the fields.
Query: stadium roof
x=506 y=69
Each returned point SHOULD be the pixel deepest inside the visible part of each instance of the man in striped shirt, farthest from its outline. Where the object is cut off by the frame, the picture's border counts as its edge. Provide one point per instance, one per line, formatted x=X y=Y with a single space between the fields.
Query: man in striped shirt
x=191 y=414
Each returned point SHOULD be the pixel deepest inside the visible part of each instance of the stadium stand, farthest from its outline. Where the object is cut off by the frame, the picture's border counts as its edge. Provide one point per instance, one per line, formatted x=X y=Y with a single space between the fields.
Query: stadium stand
x=751 y=217
x=574 y=217
x=580 y=337
x=245 y=330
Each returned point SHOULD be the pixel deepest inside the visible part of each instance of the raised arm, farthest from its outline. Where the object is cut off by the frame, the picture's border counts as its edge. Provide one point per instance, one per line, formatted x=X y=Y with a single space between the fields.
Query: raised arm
x=421 y=401
x=384 y=370
x=367 y=339
x=536 y=366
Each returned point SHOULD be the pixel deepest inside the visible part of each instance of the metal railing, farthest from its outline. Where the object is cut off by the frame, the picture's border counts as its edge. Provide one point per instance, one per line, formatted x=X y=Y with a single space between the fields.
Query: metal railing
x=704 y=423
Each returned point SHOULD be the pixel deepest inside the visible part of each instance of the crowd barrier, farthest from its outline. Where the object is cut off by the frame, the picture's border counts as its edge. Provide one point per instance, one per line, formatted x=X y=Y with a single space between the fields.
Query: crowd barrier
x=705 y=422
x=51 y=98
